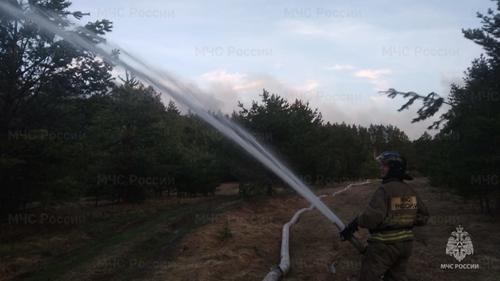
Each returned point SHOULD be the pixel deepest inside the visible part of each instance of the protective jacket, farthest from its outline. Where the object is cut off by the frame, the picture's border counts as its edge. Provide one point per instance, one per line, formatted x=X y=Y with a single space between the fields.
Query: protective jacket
x=394 y=210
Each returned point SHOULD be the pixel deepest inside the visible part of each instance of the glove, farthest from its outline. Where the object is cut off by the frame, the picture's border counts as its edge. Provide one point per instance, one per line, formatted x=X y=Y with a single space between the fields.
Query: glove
x=349 y=230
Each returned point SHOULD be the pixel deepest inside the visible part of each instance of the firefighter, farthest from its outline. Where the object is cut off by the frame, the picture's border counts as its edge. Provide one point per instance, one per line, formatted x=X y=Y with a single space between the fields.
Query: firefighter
x=393 y=211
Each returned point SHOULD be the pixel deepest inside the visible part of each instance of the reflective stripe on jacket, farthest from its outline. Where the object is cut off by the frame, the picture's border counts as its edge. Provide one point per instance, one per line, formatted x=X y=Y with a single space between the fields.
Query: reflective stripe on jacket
x=390 y=236
x=393 y=211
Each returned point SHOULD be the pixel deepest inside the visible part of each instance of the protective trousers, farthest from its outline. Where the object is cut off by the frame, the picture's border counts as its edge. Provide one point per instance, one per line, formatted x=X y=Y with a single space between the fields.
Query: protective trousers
x=386 y=259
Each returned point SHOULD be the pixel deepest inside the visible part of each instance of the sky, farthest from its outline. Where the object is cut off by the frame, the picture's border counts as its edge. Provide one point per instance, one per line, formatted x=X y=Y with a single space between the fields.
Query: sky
x=337 y=55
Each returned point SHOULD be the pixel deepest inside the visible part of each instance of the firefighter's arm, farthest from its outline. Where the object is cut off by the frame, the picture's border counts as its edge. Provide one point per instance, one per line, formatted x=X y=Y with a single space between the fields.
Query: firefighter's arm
x=422 y=213
x=376 y=211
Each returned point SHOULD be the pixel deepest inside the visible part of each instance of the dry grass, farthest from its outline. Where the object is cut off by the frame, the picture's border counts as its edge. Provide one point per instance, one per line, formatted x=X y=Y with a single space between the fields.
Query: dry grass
x=256 y=232
x=251 y=250
x=243 y=243
x=25 y=245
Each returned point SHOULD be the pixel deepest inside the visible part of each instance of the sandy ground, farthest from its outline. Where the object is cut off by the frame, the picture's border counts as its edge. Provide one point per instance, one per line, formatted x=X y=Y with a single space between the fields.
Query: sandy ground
x=243 y=244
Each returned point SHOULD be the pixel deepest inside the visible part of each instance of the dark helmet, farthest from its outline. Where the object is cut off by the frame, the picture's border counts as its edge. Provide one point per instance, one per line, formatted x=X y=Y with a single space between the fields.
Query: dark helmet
x=396 y=162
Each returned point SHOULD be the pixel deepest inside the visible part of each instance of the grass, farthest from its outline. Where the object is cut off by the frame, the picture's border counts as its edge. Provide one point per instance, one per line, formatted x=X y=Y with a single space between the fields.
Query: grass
x=118 y=247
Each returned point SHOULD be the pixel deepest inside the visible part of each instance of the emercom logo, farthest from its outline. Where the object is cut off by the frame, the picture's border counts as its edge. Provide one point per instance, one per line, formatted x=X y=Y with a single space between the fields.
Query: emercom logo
x=459 y=246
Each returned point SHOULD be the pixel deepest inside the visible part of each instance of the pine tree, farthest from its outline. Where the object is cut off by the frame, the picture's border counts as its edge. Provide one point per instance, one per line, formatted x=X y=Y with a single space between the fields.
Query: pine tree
x=465 y=154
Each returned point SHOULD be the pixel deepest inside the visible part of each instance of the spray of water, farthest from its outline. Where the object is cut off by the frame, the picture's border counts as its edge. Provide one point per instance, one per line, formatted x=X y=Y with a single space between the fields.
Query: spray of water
x=184 y=94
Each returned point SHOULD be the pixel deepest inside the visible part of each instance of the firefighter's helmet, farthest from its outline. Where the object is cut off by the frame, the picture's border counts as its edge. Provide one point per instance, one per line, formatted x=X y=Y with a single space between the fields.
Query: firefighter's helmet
x=392 y=159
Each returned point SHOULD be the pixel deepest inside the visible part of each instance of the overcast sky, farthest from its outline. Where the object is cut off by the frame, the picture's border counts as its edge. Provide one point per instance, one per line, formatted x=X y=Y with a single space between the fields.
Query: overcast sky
x=335 y=54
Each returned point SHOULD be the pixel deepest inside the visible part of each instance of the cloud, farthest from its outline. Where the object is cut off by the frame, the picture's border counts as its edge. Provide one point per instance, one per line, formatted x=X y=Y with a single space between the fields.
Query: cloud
x=372 y=74
x=236 y=81
x=309 y=86
x=229 y=88
x=336 y=105
x=222 y=76
x=340 y=67
x=375 y=77
x=341 y=32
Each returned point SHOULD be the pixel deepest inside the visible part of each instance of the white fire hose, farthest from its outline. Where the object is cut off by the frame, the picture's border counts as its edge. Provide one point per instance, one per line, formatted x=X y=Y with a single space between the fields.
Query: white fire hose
x=282 y=269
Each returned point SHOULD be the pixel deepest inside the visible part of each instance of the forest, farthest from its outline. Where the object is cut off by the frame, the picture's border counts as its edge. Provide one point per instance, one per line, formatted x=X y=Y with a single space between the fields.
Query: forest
x=70 y=129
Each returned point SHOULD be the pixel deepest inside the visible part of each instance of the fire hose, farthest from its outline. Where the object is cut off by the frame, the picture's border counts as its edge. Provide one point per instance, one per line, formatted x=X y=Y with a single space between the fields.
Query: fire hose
x=280 y=270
